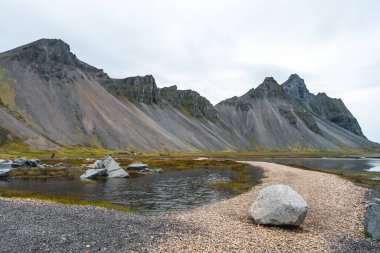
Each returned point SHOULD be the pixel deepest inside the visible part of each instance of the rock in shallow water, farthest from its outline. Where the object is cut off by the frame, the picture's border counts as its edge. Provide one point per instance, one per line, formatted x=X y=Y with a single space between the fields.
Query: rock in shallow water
x=108 y=165
x=279 y=205
x=113 y=168
x=93 y=173
x=96 y=165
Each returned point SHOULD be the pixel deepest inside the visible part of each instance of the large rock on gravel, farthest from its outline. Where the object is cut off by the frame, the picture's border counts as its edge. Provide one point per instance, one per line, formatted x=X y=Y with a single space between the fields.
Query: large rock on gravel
x=279 y=205
x=372 y=219
x=113 y=168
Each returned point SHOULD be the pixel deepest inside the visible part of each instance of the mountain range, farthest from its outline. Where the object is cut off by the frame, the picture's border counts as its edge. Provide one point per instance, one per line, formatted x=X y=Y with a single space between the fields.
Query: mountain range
x=49 y=98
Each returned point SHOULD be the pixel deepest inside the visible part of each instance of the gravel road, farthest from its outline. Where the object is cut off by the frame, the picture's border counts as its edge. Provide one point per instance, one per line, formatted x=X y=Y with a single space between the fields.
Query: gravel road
x=334 y=223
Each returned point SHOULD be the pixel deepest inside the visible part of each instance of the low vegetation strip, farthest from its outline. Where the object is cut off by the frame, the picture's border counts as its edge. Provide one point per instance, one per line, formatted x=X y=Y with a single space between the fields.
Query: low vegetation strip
x=6 y=193
x=363 y=177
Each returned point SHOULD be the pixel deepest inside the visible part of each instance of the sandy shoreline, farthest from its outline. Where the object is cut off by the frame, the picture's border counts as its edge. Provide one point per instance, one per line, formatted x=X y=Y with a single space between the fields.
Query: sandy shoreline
x=334 y=222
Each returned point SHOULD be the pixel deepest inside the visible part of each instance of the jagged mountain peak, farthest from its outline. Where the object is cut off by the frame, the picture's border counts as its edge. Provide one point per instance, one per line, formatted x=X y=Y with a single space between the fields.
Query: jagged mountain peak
x=44 y=51
x=49 y=58
x=268 y=83
x=295 y=76
x=50 y=43
x=268 y=88
x=296 y=87
x=269 y=80
x=331 y=109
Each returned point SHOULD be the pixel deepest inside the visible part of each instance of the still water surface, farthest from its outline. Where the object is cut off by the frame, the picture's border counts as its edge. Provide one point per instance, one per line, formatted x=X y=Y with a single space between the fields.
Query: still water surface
x=176 y=190
x=357 y=164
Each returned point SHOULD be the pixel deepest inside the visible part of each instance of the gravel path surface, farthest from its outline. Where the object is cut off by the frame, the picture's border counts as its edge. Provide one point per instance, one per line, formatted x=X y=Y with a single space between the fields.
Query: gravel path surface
x=333 y=224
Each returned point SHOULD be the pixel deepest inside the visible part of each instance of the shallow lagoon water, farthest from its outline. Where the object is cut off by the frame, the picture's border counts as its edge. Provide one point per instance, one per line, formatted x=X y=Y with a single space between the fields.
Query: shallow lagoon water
x=173 y=190
x=356 y=164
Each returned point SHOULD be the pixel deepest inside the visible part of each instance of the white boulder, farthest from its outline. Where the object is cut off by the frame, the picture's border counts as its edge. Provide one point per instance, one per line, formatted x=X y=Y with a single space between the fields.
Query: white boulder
x=279 y=205
x=93 y=173
x=113 y=168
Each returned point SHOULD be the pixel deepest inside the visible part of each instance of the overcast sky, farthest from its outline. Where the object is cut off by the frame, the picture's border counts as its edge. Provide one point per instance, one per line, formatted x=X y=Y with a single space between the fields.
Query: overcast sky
x=218 y=48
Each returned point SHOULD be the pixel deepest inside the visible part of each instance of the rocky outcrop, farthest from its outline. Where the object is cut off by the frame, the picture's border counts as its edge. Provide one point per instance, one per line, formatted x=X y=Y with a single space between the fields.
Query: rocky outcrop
x=296 y=87
x=143 y=89
x=331 y=109
x=189 y=101
x=45 y=53
x=139 y=88
x=267 y=89
x=279 y=205
x=52 y=60
x=334 y=110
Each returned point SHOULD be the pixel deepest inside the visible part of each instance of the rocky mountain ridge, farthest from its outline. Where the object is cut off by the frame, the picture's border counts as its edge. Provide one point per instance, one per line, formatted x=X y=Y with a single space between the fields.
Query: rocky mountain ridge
x=331 y=109
x=144 y=89
x=48 y=97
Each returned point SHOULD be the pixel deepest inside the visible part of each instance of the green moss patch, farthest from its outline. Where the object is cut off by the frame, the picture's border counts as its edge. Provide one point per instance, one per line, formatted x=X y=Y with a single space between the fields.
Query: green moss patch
x=46 y=172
